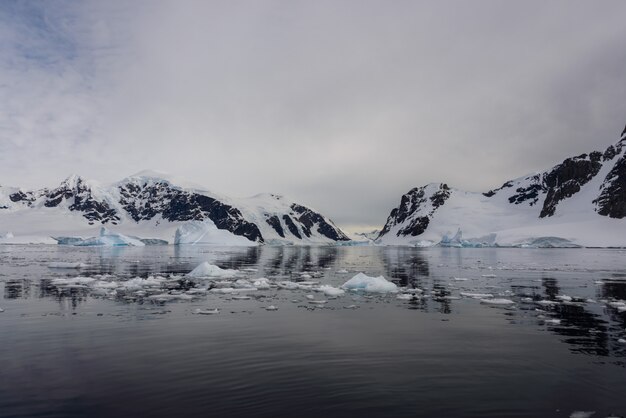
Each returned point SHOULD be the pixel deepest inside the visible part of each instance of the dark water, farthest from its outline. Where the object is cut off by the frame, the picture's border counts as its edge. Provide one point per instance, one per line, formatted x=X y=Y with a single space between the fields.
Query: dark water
x=72 y=351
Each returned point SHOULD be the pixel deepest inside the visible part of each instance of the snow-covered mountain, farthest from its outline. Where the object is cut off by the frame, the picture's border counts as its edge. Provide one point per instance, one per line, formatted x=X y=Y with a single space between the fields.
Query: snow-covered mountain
x=153 y=205
x=582 y=200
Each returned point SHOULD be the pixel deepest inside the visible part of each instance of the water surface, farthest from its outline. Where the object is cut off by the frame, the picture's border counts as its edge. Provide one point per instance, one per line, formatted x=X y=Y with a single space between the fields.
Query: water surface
x=74 y=351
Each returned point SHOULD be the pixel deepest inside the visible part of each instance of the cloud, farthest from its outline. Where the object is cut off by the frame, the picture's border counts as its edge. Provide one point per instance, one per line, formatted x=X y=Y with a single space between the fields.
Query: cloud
x=343 y=105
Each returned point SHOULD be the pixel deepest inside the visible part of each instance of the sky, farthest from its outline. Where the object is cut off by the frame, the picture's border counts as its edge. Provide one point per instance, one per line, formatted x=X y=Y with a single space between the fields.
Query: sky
x=343 y=105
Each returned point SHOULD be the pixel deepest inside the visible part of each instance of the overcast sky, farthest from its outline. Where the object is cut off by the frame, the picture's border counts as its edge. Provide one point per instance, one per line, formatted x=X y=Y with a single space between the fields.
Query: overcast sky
x=343 y=105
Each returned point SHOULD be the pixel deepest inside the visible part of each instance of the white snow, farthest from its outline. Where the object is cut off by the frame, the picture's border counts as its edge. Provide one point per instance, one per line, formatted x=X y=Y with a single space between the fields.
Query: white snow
x=367 y=283
x=207 y=269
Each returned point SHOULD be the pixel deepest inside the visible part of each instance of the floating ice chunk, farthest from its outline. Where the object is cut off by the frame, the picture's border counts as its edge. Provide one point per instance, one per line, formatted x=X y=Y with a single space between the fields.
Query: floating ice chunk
x=163 y=297
x=407 y=296
x=138 y=283
x=489 y=276
x=101 y=284
x=207 y=269
x=350 y=307
x=331 y=291
x=106 y=238
x=581 y=414
x=367 y=283
x=262 y=283
x=286 y=284
x=318 y=302
x=242 y=297
x=552 y=321
x=310 y=297
x=497 y=302
x=206 y=311
x=305 y=276
x=224 y=290
x=73 y=281
x=459 y=279
x=66 y=265
x=476 y=295
x=564 y=298
x=271 y=308
x=621 y=341
x=1 y=310
x=546 y=302
x=342 y=271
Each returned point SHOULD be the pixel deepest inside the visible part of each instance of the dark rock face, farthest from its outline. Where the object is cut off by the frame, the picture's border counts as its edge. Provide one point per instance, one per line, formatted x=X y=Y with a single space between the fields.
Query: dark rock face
x=274 y=222
x=83 y=201
x=566 y=179
x=145 y=201
x=291 y=226
x=612 y=199
x=309 y=219
x=528 y=194
x=28 y=197
x=146 y=198
x=412 y=202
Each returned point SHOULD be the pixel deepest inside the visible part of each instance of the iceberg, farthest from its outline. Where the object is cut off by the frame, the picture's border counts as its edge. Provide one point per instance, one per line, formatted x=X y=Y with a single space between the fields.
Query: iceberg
x=367 y=283
x=331 y=291
x=206 y=233
x=106 y=238
x=207 y=269
x=457 y=241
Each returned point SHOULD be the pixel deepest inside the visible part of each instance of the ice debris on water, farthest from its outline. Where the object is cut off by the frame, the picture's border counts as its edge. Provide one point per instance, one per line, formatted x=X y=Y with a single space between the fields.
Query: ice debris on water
x=367 y=283
x=207 y=269
x=271 y=308
x=66 y=265
x=582 y=414
x=476 y=295
x=206 y=311
x=497 y=302
x=331 y=291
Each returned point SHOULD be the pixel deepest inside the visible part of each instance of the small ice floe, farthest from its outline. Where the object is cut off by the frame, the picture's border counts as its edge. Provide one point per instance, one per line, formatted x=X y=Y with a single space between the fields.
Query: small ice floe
x=599 y=282
x=271 y=308
x=582 y=414
x=206 y=311
x=224 y=290
x=74 y=281
x=406 y=296
x=414 y=290
x=563 y=298
x=489 y=276
x=318 y=302
x=476 y=295
x=286 y=284
x=621 y=341
x=164 y=297
x=497 y=302
x=1 y=310
x=331 y=291
x=367 y=283
x=250 y=270
x=242 y=297
x=546 y=302
x=305 y=276
x=350 y=307
x=262 y=283
x=66 y=265
x=459 y=279
x=342 y=271
x=310 y=297
x=207 y=269
x=552 y=321
x=527 y=300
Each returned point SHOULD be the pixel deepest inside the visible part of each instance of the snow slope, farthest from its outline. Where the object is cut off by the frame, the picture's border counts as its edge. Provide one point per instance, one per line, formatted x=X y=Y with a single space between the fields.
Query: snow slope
x=568 y=201
x=154 y=205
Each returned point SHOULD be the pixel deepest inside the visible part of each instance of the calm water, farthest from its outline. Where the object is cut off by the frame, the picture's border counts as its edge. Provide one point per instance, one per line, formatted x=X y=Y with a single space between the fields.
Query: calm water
x=77 y=350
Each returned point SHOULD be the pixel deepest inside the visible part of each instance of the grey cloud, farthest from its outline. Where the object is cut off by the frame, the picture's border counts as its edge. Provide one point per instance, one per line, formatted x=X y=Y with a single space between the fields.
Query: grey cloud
x=344 y=105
